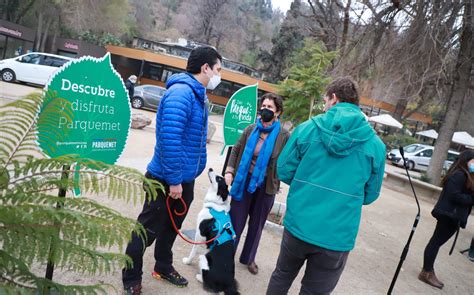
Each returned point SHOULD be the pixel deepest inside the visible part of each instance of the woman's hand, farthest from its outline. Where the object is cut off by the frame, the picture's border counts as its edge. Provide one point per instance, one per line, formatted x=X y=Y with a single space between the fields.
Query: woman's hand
x=229 y=178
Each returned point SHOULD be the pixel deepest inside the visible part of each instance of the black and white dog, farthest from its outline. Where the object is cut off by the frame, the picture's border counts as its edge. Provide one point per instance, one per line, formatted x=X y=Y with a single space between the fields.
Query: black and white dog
x=217 y=268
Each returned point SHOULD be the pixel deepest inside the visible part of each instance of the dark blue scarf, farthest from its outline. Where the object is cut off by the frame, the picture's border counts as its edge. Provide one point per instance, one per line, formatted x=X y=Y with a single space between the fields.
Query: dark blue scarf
x=258 y=174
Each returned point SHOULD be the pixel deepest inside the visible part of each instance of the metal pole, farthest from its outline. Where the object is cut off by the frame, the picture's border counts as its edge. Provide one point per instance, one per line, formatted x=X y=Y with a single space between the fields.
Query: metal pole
x=417 y=219
x=229 y=150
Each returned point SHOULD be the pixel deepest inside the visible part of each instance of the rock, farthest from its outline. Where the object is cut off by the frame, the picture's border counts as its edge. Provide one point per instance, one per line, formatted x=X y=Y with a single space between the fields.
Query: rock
x=140 y=121
x=211 y=129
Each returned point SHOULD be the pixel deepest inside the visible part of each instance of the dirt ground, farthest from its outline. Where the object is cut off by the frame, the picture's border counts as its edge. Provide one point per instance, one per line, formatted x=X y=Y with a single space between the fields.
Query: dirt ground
x=384 y=230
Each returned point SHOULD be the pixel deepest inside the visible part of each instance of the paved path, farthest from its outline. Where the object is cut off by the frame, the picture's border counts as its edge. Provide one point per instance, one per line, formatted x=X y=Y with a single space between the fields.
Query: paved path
x=383 y=233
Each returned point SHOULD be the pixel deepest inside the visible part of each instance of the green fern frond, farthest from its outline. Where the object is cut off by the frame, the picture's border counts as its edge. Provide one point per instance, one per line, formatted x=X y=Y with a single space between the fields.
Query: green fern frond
x=33 y=219
x=80 y=227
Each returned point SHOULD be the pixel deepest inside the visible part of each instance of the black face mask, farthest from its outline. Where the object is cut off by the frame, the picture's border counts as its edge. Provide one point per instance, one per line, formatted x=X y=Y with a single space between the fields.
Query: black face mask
x=267 y=115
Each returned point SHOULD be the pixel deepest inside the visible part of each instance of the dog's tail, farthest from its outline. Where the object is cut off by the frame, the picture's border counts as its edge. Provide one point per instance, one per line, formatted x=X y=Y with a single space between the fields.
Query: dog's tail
x=232 y=289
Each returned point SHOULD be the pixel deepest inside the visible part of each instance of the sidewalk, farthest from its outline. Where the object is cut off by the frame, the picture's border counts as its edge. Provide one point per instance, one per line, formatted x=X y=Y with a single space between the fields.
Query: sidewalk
x=384 y=230
x=14 y=91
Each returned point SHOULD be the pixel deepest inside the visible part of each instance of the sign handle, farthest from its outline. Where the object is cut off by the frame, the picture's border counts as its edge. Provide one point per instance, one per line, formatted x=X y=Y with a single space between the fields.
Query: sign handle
x=59 y=205
x=229 y=150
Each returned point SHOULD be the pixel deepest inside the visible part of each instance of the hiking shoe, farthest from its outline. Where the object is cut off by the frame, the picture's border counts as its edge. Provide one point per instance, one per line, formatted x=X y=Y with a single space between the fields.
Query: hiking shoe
x=135 y=290
x=430 y=278
x=173 y=277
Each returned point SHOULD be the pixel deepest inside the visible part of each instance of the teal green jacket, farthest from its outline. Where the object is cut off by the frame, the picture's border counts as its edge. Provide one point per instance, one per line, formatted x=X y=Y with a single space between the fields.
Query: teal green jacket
x=334 y=164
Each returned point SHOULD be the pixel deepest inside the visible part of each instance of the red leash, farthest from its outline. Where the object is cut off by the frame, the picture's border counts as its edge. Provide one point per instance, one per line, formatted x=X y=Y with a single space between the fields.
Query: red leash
x=181 y=214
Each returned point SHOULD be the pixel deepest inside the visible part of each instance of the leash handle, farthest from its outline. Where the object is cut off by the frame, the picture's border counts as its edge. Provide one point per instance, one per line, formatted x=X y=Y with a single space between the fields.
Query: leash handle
x=185 y=209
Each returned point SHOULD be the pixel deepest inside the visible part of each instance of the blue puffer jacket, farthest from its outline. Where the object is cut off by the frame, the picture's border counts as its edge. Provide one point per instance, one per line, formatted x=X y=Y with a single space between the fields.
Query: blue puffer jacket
x=181 y=131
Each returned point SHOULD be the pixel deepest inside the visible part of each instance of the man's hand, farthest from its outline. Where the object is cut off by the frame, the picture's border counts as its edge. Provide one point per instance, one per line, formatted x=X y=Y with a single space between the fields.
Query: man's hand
x=176 y=191
x=228 y=178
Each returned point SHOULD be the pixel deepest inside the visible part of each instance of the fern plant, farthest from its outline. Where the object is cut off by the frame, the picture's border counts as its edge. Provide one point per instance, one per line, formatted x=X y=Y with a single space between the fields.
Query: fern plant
x=37 y=227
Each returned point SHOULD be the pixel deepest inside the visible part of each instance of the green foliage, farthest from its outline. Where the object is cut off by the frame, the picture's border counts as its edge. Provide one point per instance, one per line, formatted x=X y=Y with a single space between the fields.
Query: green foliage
x=396 y=140
x=37 y=226
x=101 y=40
x=249 y=58
x=305 y=86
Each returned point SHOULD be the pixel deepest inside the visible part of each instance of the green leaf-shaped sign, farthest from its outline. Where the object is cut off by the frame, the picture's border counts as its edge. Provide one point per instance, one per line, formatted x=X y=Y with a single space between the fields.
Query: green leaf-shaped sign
x=240 y=112
x=93 y=111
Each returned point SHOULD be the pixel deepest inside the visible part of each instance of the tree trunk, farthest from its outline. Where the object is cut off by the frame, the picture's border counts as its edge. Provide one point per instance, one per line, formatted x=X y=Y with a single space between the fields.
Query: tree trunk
x=167 y=18
x=311 y=105
x=38 y=31
x=400 y=108
x=458 y=93
x=55 y=37
x=45 y=35
x=218 y=42
x=346 y=27
x=23 y=12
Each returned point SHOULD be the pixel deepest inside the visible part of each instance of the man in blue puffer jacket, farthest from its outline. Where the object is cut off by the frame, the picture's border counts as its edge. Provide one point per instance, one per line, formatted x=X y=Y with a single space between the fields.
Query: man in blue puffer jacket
x=179 y=158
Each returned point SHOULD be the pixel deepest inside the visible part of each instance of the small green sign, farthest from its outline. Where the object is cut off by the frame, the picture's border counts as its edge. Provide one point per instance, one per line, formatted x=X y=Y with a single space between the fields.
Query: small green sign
x=96 y=117
x=240 y=112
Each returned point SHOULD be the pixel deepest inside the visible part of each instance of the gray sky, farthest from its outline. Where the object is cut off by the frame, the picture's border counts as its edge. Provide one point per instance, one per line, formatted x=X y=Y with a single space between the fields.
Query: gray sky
x=283 y=5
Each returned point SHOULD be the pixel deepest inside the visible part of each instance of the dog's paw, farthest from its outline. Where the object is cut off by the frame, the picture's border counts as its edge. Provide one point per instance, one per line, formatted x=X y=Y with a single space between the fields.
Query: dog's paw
x=186 y=260
x=199 y=277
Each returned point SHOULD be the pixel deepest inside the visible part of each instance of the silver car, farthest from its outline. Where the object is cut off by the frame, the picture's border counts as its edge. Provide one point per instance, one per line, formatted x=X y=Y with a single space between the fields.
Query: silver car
x=147 y=96
x=418 y=157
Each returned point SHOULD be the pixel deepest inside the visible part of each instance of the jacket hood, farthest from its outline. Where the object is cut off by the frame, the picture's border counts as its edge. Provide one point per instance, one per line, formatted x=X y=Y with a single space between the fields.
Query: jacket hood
x=188 y=79
x=343 y=127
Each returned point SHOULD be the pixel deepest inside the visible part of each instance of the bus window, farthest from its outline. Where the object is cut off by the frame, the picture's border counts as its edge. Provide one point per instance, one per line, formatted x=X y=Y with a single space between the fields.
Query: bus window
x=152 y=71
x=168 y=72
x=236 y=86
x=223 y=89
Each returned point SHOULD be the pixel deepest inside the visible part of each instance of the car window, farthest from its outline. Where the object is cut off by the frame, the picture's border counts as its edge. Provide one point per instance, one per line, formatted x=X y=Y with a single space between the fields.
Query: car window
x=452 y=157
x=31 y=59
x=426 y=153
x=53 y=61
x=155 y=90
x=412 y=148
x=58 y=62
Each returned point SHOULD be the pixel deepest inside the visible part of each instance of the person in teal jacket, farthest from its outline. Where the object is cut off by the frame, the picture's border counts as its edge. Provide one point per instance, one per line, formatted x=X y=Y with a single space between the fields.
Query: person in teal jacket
x=334 y=164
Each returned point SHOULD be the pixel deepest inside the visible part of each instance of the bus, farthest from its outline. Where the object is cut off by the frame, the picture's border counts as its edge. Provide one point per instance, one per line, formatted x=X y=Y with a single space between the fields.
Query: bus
x=153 y=63
x=155 y=68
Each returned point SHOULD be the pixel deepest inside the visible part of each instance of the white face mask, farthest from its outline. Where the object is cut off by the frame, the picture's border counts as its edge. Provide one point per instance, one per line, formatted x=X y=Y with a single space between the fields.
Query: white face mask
x=214 y=81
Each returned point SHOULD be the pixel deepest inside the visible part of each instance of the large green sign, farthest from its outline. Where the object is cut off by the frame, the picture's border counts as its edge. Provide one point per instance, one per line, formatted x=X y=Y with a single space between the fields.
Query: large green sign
x=240 y=112
x=96 y=111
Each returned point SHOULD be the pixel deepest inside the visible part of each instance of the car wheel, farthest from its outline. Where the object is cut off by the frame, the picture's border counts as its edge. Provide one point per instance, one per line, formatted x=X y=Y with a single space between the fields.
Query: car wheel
x=8 y=75
x=410 y=165
x=137 y=103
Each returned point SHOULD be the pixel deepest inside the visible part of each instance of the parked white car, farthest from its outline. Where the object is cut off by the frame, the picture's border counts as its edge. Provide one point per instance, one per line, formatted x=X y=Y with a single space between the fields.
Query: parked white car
x=34 y=67
x=418 y=157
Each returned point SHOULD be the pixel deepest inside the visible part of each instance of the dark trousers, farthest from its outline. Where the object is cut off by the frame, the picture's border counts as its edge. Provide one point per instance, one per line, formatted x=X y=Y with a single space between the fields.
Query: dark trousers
x=256 y=206
x=155 y=219
x=323 y=267
x=445 y=229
